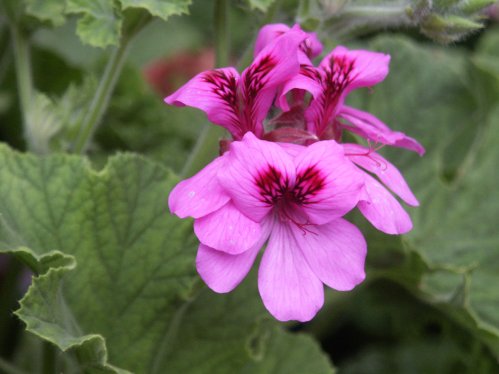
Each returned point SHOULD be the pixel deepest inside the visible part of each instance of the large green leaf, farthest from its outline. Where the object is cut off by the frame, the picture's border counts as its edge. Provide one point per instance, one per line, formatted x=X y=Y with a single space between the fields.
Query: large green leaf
x=116 y=279
x=133 y=260
x=429 y=96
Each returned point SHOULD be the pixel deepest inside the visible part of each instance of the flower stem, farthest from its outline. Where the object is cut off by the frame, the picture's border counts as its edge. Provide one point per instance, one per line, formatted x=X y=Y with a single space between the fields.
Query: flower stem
x=100 y=101
x=49 y=358
x=207 y=143
x=107 y=83
x=25 y=89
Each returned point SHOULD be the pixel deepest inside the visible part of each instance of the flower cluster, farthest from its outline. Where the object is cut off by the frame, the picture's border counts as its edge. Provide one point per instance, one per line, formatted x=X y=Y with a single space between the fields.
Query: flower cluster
x=285 y=178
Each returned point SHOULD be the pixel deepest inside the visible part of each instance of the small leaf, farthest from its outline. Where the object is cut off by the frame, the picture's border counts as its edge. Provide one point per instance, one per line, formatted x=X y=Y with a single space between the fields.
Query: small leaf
x=261 y=5
x=47 y=10
x=100 y=23
x=160 y=8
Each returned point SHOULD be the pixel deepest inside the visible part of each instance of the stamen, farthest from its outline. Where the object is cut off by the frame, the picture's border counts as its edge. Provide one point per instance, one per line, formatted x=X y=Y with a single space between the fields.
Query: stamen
x=287 y=200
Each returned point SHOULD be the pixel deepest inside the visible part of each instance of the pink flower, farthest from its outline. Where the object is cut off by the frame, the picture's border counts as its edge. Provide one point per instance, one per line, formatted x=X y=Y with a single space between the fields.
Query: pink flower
x=289 y=184
x=294 y=197
x=376 y=203
x=340 y=72
x=240 y=103
x=326 y=117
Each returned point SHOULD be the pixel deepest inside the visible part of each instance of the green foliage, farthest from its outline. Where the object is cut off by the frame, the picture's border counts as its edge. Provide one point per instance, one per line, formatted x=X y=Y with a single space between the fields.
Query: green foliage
x=116 y=280
x=262 y=5
x=444 y=21
x=455 y=228
x=100 y=22
x=159 y=8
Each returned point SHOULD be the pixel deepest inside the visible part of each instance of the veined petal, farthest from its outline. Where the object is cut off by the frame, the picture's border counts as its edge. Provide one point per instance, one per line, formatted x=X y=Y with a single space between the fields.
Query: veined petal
x=268 y=34
x=199 y=195
x=357 y=68
x=370 y=127
x=222 y=272
x=327 y=185
x=227 y=230
x=383 y=169
x=382 y=209
x=340 y=72
x=335 y=252
x=215 y=93
x=275 y=64
x=254 y=171
x=289 y=288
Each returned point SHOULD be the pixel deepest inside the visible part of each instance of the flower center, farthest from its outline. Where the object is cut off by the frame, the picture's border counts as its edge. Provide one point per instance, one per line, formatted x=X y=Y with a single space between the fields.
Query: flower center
x=288 y=199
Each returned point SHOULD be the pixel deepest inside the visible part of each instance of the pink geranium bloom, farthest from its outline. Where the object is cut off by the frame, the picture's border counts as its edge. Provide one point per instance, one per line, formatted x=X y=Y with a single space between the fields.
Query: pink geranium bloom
x=340 y=72
x=292 y=197
x=326 y=117
x=240 y=103
x=376 y=203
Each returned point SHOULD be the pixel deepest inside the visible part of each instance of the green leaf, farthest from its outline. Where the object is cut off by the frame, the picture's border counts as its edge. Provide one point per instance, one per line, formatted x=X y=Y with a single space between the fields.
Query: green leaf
x=100 y=23
x=428 y=96
x=261 y=5
x=133 y=266
x=160 y=8
x=47 y=10
x=116 y=283
x=232 y=333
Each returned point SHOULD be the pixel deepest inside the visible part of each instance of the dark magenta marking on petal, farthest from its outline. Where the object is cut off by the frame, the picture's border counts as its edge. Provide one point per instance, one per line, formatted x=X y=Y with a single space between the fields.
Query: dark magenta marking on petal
x=308 y=184
x=272 y=185
x=334 y=80
x=254 y=81
x=225 y=87
x=275 y=189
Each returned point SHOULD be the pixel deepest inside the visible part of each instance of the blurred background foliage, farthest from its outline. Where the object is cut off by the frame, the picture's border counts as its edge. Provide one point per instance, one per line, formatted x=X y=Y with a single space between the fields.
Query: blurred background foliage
x=431 y=302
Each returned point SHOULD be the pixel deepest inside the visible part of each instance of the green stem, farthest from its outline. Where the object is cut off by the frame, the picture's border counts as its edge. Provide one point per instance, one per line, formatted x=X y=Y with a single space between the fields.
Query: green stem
x=221 y=13
x=49 y=358
x=24 y=82
x=8 y=368
x=207 y=144
x=10 y=294
x=100 y=101
x=373 y=11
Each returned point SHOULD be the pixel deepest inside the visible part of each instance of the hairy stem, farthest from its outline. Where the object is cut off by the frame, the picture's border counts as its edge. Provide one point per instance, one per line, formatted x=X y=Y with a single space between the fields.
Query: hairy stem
x=49 y=358
x=25 y=89
x=100 y=101
x=107 y=83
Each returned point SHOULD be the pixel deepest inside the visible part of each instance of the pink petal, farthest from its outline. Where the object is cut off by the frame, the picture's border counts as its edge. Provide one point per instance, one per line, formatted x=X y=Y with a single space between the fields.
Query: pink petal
x=384 y=170
x=248 y=161
x=335 y=252
x=215 y=93
x=289 y=288
x=383 y=210
x=268 y=34
x=370 y=127
x=311 y=47
x=222 y=272
x=329 y=181
x=307 y=79
x=199 y=195
x=273 y=66
x=227 y=230
x=365 y=68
